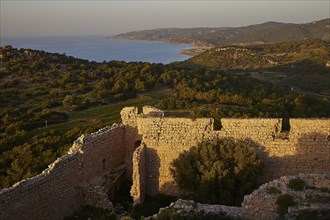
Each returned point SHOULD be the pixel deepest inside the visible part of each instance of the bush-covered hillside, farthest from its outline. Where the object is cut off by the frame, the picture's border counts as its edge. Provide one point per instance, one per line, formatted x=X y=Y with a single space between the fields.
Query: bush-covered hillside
x=47 y=100
x=297 y=64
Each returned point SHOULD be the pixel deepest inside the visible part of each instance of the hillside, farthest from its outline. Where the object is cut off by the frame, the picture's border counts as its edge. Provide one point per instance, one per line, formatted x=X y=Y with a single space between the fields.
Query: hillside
x=47 y=100
x=297 y=64
x=269 y=32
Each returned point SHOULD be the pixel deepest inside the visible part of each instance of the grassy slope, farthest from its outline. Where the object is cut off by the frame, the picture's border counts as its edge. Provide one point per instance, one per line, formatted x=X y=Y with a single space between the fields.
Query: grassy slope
x=99 y=116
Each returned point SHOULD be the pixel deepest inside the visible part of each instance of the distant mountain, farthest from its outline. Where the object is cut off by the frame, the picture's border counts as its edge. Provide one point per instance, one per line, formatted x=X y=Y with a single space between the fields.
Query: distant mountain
x=269 y=32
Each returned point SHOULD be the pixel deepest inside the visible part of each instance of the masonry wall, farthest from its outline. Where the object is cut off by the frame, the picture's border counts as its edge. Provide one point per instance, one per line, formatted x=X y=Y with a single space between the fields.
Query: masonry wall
x=304 y=149
x=165 y=139
x=128 y=116
x=85 y=174
x=57 y=191
x=50 y=195
x=103 y=151
x=139 y=175
x=133 y=138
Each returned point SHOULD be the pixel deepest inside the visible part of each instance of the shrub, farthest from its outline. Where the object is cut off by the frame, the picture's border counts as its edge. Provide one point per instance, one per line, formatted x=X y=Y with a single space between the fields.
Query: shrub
x=217 y=171
x=283 y=202
x=296 y=184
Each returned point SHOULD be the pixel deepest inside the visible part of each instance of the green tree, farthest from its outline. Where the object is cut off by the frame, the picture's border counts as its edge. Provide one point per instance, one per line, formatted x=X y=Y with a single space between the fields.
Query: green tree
x=69 y=102
x=139 y=85
x=217 y=171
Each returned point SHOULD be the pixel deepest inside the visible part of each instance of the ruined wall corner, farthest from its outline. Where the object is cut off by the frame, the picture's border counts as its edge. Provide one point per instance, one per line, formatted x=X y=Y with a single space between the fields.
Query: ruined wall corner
x=138 y=188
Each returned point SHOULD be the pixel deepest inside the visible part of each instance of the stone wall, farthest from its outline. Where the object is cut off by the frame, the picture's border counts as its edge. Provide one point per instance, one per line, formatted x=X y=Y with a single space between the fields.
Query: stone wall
x=303 y=149
x=61 y=188
x=52 y=194
x=129 y=119
x=165 y=139
x=103 y=151
x=139 y=175
x=144 y=146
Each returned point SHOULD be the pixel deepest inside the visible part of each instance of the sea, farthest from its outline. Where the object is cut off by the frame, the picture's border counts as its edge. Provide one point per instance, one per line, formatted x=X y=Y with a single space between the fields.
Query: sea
x=99 y=48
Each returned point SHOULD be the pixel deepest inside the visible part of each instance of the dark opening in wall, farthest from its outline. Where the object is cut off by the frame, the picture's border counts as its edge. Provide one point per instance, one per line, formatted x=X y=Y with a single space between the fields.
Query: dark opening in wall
x=285 y=124
x=137 y=144
x=217 y=125
x=123 y=196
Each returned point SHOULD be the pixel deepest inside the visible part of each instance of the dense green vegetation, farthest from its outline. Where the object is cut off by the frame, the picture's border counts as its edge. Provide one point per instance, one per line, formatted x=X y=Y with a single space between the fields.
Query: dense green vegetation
x=283 y=202
x=47 y=100
x=217 y=171
x=269 y=32
x=296 y=184
x=300 y=65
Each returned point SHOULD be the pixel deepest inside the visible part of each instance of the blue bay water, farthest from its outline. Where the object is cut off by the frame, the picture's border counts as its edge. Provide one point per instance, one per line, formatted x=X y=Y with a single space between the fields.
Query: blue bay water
x=95 y=48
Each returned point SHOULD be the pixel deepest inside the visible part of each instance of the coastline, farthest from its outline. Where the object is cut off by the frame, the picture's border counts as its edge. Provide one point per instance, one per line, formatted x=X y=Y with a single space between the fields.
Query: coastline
x=100 y=49
x=194 y=51
x=197 y=47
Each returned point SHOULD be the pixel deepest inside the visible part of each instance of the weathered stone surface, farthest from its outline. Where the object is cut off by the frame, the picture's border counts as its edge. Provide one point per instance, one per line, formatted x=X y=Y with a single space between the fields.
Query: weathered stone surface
x=138 y=187
x=85 y=174
x=304 y=149
x=63 y=186
x=261 y=204
x=152 y=111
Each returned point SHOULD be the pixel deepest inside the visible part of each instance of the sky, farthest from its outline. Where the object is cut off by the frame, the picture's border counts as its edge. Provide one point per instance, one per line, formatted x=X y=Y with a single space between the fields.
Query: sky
x=25 y=18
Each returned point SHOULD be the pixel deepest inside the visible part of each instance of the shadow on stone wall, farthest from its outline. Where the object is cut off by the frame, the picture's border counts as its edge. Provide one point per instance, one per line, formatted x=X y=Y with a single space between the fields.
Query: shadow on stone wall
x=152 y=174
x=312 y=155
x=214 y=186
x=170 y=188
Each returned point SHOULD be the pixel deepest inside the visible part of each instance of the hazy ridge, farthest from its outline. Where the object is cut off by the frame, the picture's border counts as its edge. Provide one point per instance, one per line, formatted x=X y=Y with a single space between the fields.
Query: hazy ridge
x=269 y=32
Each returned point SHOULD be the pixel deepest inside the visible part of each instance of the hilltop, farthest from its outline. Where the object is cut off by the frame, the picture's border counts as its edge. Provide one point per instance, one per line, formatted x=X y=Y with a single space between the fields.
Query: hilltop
x=269 y=32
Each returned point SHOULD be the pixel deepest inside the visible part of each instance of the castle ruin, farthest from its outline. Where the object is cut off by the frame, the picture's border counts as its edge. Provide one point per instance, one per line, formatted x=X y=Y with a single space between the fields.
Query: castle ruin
x=142 y=148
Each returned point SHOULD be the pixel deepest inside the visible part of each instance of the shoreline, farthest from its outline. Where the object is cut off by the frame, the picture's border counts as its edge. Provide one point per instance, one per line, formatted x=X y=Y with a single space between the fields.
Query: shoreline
x=197 y=47
x=194 y=51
